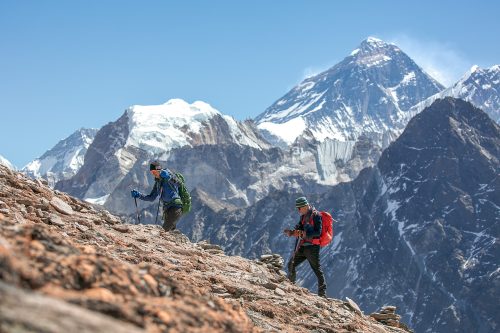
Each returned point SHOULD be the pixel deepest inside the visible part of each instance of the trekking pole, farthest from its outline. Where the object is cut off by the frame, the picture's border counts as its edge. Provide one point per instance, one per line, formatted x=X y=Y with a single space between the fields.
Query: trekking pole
x=296 y=248
x=292 y=257
x=137 y=210
x=157 y=211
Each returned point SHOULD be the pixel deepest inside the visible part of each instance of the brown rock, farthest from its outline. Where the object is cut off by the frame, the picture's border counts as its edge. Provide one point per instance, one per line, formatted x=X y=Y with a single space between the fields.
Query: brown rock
x=61 y=206
x=279 y=292
x=388 y=308
x=121 y=228
x=153 y=285
x=353 y=306
x=164 y=316
x=101 y=294
x=56 y=220
x=24 y=312
x=382 y=316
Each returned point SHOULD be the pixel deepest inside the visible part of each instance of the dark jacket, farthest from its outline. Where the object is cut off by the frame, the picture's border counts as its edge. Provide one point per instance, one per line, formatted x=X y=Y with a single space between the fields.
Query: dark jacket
x=169 y=189
x=313 y=231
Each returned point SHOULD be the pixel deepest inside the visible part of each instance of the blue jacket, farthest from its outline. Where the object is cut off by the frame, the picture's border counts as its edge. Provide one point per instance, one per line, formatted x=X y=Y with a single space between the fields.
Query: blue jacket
x=169 y=189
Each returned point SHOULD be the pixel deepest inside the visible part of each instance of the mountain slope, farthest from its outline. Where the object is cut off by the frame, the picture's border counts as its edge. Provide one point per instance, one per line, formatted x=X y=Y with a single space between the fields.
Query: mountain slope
x=63 y=160
x=366 y=93
x=59 y=258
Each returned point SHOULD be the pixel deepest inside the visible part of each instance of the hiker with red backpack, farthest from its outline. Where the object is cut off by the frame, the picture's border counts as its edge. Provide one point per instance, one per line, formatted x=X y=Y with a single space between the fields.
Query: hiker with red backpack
x=313 y=231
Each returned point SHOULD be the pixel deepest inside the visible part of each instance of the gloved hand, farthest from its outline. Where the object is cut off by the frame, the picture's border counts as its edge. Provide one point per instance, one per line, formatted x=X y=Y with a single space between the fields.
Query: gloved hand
x=135 y=194
x=165 y=174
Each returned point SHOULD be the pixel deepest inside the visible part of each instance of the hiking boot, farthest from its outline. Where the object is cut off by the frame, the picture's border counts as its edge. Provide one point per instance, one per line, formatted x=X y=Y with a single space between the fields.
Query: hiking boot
x=322 y=292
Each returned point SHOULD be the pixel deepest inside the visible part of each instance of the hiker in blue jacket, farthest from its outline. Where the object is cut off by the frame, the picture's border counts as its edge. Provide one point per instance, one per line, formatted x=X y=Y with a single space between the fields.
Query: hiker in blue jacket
x=167 y=187
x=308 y=232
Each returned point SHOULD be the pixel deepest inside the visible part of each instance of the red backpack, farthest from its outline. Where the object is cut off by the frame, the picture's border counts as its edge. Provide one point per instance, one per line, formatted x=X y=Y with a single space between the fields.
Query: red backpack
x=326 y=231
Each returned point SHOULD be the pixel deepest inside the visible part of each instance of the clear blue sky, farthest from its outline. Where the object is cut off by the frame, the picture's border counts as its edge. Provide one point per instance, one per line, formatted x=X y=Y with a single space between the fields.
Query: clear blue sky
x=71 y=64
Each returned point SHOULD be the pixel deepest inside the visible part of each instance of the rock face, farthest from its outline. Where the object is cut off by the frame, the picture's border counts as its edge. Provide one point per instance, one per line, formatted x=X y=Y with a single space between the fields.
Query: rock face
x=420 y=230
x=136 y=278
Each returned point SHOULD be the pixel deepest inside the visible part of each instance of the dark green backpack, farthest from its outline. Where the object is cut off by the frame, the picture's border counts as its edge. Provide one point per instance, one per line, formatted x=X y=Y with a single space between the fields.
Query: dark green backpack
x=183 y=193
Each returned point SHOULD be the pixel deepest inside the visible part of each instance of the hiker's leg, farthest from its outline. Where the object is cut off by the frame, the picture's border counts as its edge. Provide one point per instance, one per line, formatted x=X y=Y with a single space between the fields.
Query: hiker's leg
x=170 y=218
x=294 y=262
x=312 y=255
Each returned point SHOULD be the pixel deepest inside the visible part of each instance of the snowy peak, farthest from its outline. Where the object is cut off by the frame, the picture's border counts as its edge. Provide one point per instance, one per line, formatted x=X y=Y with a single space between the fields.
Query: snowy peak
x=175 y=124
x=374 y=43
x=175 y=111
x=479 y=86
x=367 y=93
x=6 y=162
x=64 y=160
x=156 y=127
x=487 y=77
x=373 y=52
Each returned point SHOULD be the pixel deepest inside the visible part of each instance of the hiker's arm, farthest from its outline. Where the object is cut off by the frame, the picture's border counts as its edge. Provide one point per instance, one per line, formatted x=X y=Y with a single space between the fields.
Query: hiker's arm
x=314 y=231
x=154 y=193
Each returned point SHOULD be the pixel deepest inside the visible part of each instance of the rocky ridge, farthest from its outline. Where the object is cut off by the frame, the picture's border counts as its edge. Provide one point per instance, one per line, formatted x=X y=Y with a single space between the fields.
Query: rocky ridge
x=63 y=253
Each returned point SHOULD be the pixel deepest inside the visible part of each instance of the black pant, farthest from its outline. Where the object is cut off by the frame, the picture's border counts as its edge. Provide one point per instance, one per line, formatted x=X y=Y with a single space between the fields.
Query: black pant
x=311 y=253
x=170 y=217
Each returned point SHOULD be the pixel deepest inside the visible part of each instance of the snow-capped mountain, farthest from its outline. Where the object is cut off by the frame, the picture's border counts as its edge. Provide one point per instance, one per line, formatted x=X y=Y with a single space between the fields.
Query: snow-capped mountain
x=7 y=163
x=365 y=94
x=175 y=124
x=419 y=230
x=479 y=86
x=64 y=160
x=118 y=157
